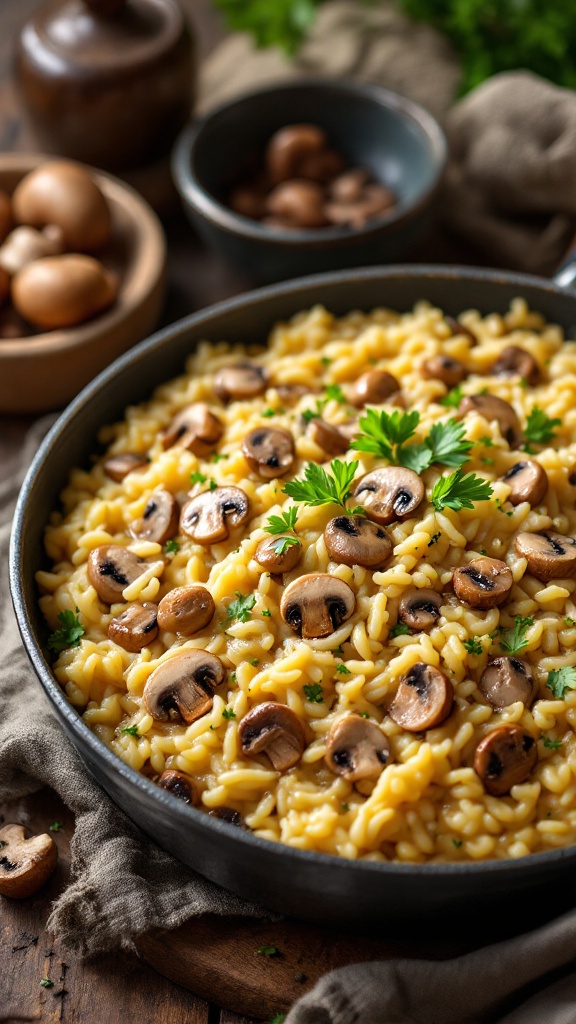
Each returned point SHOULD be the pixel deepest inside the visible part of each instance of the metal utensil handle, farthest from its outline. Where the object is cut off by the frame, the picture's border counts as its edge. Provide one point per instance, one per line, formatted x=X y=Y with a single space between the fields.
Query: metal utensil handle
x=565 y=276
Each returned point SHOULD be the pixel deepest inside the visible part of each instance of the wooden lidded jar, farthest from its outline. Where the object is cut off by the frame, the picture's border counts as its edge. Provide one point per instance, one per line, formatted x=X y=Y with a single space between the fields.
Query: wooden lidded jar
x=108 y=82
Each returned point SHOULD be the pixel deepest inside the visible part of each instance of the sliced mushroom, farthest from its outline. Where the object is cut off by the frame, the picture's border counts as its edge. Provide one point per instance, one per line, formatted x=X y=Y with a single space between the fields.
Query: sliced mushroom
x=354 y=540
x=423 y=700
x=445 y=369
x=269 y=451
x=279 y=554
x=227 y=814
x=207 y=518
x=483 y=583
x=292 y=392
x=135 y=627
x=111 y=569
x=356 y=748
x=507 y=680
x=373 y=388
x=493 y=408
x=515 y=360
x=117 y=467
x=186 y=610
x=241 y=381
x=289 y=146
x=316 y=604
x=183 y=685
x=195 y=428
x=159 y=521
x=327 y=437
x=420 y=608
x=458 y=328
x=505 y=758
x=390 y=493
x=528 y=481
x=550 y=555
x=275 y=730
x=25 y=864
x=180 y=785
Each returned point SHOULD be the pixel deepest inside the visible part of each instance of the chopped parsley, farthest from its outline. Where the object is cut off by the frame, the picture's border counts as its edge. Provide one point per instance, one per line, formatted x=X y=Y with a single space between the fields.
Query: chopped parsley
x=267 y=950
x=69 y=635
x=254 y=662
x=457 y=843
x=266 y=614
x=386 y=434
x=486 y=441
x=130 y=730
x=171 y=547
x=343 y=670
x=363 y=714
x=321 y=488
x=218 y=456
x=473 y=645
x=569 y=622
x=539 y=429
x=551 y=744
x=453 y=398
x=228 y=713
x=562 y=679
x=514 y=640
x=345 y=807
x=286 y=521
x=233 y=678
x=434 y=539
x=309 y=414
x=400 y=629
x=313 y=693
x=334 y=393
x=460 y=490
x=268 y=413
x=281 y=544
x=240 y=609
x=55 y=826
x=326 y=361
x=198 y=478
x=46 y=983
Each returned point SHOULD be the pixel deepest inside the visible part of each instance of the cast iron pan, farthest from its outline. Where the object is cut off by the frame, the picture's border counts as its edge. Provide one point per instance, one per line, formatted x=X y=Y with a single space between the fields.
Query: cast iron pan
x=300 y=883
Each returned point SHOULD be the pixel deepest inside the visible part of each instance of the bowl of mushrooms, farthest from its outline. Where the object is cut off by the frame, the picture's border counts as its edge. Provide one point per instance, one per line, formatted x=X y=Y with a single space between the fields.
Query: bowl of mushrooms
x=82 y=265
x=311 y=176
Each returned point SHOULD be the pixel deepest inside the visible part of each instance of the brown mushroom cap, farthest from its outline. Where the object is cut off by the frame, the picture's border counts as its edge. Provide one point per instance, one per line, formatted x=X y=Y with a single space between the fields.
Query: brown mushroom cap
x=528 y=481
x=275 y=730
x=241 y=381
x=354 y=540
x=390 y=493
x=159 y=521
x=186 y=610
x=550 y=555
x=269 y=451
x=117 y=467
x=420 y=608
x=505 y=758
x=316 y=604
x=25 y=864
x=292 y=392
x=180 y=785
x=111 y=569
x=289 y=147
x=356 y=748
x=227 y=814
x=299 y=202
x=195 y=428
x=458 y=328
x=183 y=684
x=444 y=368
x=515 y=360
x=328 y=437
x=493 y=408
x=279 y=554
x=507 y=680
x=483 y=583
x=135 y=627
x=423 y=700
x=207 y=518
x=373 y=388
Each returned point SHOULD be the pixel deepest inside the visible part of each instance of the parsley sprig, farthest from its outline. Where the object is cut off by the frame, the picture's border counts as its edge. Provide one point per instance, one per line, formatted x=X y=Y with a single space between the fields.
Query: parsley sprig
x=332 y=393
x=453 y=398
x=280 y=524
x=69 y=635
x=322 y=488
x=562 y=679
x=514 y=640
x=460 y=490
x=240 y=609
x=313 y=693
x=539 y=429
x=386 y=434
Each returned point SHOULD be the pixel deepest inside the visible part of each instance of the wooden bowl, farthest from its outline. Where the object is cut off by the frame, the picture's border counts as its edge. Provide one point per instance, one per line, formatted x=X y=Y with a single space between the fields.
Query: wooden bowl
x=44 y=371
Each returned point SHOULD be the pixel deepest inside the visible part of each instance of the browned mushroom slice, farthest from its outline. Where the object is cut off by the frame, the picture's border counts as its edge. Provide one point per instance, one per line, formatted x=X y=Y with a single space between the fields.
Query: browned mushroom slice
x=207 y=518
x=423 y=700
x=180 y=785
x=159 y=521
x=493 y=408
x=279 y=554
x=186 y=610
x=390 y=493
x=354 y=540
x=227 y=814
x=458 y=328
x=528 y=481
x=269 y=451
x=356 y=748
x=135 y=627
x=241 y=381
x=550 y=555
x=505 y=681
x=483 y=583
x=373 y=388
x=111 y=569
x=316 y=604
x=292 y=392
x=275 y=730
x=194 y=428
x=117 y=467
x=445 y=369
x=420 y=608
x=25 y=864
x=289 y=146
x=515 y=360
x=327 y=437
x=505 y=758
x=183 y=685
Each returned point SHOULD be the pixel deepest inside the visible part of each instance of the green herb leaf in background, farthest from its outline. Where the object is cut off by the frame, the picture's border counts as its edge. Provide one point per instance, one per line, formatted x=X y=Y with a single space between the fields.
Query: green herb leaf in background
x=562 y=679
x=69 y=635
x=539 y=429
x=460 y=490
x=514 y=640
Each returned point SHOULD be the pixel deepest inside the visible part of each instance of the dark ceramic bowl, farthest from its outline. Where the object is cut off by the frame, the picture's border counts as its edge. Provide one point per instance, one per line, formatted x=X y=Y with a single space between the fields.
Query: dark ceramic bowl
x=503 y=894
x=397 y=140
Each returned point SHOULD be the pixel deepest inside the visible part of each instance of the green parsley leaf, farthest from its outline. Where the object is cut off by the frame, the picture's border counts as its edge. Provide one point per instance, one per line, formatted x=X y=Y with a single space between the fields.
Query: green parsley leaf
x=414 y=456
x=55 y=826
x=400 y=629
x=314 y=693
x=363 y=714
x=551 y=744
x=281 y=544
x=342 y=670
x=473 y=645
x=239 y=609
x=130 y=730
x=434 y=539
x=171 y=547
x=278 y=1018
x=326 y=361
x=212 y=485
x=70 y=634
x=457 y=843
x=281 y=523
x=486 y=441
x=569 y=622
x=448 y=445
x=486 y=461
x=218 y=456
x=334 y=393
x=198 y=478
x=562 y=679
x=321 y=488
x=228 y=713
x=233 y=678
x=268 y=413
x=345 y=807
x=514 y=640
x=267 y=950
x=539 y=429
x=358 y=510
x=460 y=490
x=453 y=398
x=383 y=433
x=46 y=983
x=254 y=662
x=309 y=414
x=266 y=614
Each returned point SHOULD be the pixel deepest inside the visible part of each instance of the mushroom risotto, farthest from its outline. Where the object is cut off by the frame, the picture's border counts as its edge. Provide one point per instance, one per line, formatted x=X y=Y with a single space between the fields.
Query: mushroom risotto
x=325 y=590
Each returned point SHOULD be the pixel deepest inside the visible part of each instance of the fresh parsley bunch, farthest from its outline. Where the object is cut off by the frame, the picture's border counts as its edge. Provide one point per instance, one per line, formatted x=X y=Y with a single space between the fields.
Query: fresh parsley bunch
x=460 y=490
x=321 y=488
x=386 y=434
